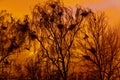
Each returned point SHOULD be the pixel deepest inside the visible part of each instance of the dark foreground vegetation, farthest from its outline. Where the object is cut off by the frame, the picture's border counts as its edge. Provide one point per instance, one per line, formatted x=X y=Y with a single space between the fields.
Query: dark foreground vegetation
x=68 y=44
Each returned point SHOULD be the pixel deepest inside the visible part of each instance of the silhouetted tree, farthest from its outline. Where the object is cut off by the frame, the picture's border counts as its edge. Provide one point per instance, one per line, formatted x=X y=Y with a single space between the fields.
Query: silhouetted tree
x=101 y=47
x=55 y=27
x=4 y=34
x=13 y=34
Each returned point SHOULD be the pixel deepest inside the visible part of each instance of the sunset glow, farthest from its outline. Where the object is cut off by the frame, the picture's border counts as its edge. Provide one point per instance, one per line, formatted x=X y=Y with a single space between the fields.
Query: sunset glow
x=21 y=7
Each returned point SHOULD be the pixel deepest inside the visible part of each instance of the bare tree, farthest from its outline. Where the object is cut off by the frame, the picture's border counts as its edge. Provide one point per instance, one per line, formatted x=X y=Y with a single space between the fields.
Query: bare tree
x=55 y=27
x=4 y=34
x=12 y=38
x=12 y=34
x=6 y=45
x=100 y=46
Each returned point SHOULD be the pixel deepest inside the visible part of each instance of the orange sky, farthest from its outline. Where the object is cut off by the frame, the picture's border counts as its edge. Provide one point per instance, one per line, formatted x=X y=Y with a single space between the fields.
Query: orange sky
x=21 y=7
